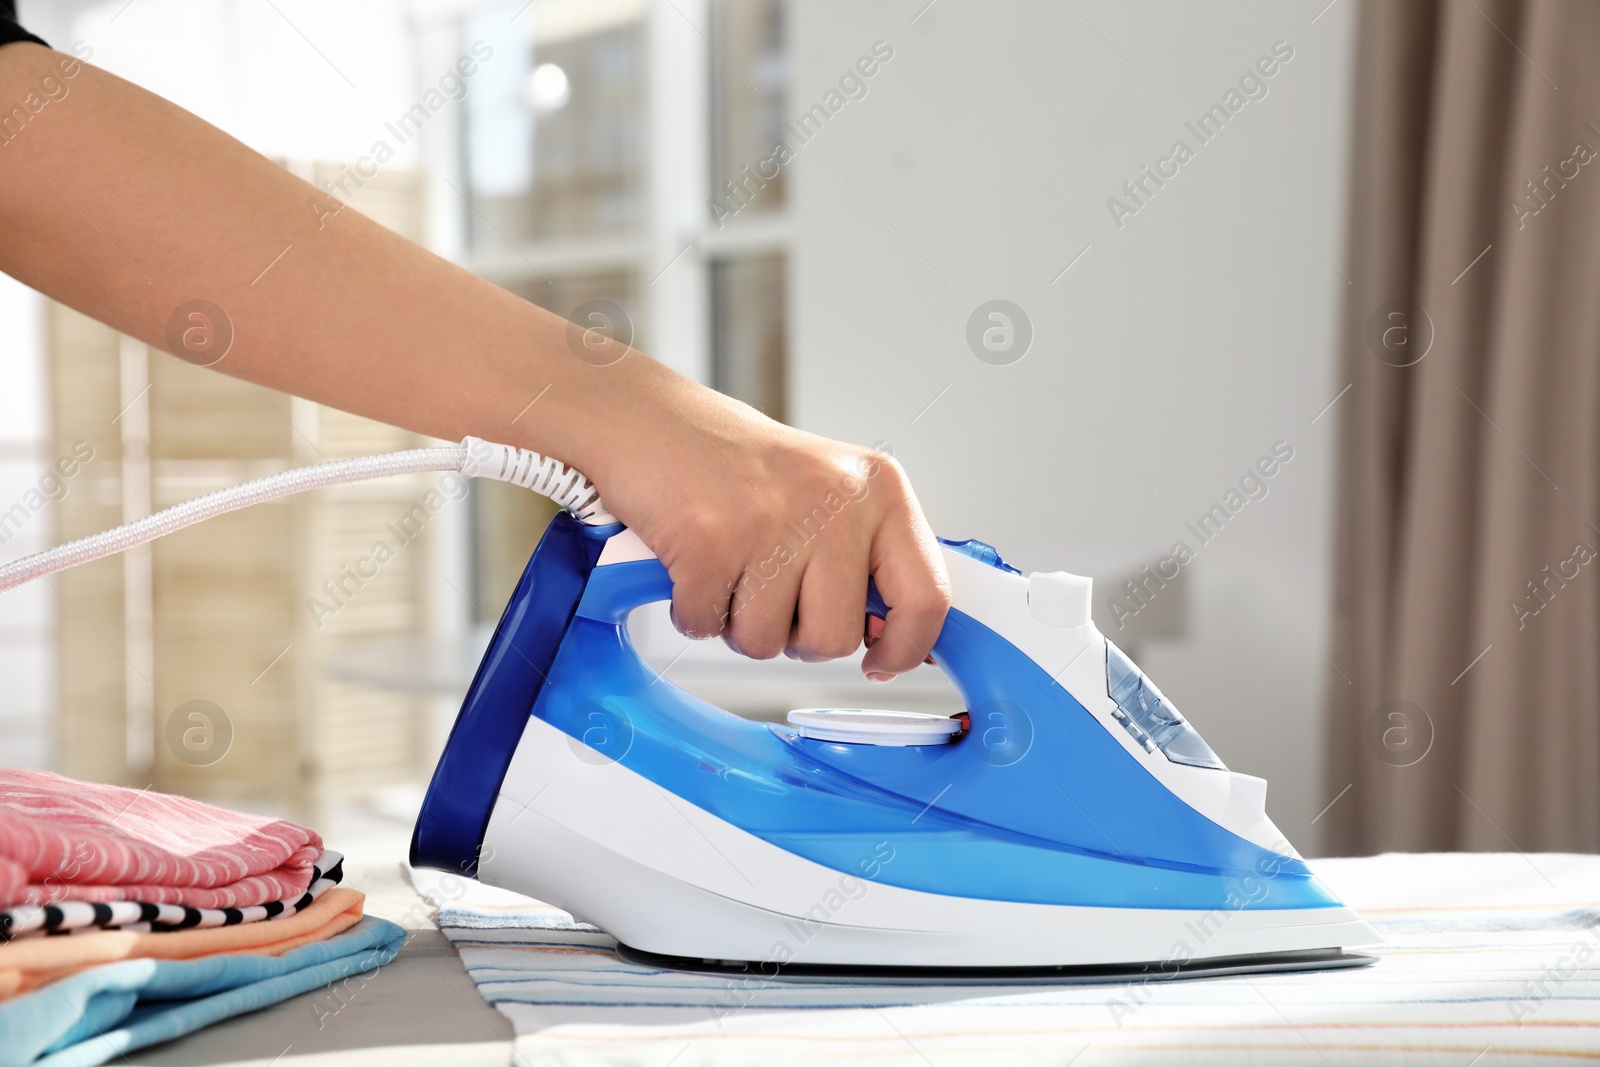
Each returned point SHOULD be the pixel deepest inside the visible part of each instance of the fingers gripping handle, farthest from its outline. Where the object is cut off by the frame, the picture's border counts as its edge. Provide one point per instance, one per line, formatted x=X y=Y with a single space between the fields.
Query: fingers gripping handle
x=616 y=589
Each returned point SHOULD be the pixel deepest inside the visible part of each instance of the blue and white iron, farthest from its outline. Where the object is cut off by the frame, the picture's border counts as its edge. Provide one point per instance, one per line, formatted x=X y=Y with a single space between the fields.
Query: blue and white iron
x=1071 y=825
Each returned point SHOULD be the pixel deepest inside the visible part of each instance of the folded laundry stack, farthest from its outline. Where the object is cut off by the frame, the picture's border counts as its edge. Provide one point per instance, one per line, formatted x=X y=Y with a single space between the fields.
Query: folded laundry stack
x=129 y=917
x=143 y=916
x=62 y=839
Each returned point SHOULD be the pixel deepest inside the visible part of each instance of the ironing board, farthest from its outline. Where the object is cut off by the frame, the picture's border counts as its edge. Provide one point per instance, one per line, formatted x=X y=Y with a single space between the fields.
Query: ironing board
x=1490 y=958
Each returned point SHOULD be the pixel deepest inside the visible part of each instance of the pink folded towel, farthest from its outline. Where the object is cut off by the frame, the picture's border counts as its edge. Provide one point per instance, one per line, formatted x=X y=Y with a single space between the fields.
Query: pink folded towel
x=62 y=839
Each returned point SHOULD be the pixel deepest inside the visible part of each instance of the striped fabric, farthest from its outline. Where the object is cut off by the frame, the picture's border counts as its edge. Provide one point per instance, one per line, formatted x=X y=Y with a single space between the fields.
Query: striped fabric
x=28 y=963
x=1489 y=959
x=62 y=839
x=141 y=916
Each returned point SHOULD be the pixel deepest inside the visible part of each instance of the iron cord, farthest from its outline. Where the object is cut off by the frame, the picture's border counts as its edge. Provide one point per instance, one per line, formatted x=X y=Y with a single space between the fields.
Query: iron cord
x=473 y=457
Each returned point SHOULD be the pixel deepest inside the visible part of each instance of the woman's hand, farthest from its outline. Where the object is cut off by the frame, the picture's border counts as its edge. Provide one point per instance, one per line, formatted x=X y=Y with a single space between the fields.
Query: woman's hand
x=769 y=533
x=130 y=209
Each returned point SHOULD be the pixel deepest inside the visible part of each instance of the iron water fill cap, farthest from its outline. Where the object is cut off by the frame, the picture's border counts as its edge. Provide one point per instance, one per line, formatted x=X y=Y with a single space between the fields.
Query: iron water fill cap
x=874 y=726
x=981 y=551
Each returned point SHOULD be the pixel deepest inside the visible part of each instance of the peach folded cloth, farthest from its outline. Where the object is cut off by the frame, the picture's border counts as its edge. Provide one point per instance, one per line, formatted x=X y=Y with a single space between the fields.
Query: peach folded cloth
x=62 y=839
x=29 y=963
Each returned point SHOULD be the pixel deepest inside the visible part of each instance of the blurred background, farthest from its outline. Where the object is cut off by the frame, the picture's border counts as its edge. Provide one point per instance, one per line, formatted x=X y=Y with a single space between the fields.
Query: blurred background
x=980 y=249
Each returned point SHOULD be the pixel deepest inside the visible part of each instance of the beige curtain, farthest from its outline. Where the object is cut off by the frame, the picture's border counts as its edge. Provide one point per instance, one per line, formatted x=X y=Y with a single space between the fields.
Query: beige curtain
x=1465 y=711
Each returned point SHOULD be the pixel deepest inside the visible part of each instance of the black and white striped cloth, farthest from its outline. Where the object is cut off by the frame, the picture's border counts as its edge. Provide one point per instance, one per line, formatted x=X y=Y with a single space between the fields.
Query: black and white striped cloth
x=135 y=916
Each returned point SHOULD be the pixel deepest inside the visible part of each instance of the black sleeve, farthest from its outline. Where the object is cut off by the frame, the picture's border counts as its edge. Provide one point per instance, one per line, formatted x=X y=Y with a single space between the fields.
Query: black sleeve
x=9 y=30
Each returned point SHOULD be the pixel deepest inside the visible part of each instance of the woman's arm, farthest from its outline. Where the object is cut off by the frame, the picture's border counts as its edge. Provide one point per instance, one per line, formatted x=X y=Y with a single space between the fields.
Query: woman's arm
x=127 y=207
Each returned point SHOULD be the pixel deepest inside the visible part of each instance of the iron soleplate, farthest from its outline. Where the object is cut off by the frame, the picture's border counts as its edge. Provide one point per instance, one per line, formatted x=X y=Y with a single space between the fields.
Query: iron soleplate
x=1078 y=974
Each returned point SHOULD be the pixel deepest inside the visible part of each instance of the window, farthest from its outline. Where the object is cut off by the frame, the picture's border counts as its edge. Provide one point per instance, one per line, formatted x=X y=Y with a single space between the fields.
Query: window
x=1150 y=717
x=748 y=329
x=554 y=143
x=591 y=152
x=749 y=82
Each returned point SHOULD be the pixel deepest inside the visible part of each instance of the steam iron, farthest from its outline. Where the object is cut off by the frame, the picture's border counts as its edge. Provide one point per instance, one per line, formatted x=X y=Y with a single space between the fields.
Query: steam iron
x=1070 y=826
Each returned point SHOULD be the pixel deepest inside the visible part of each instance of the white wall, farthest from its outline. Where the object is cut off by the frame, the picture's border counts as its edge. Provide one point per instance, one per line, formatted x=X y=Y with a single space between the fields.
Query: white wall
x=1193 y=337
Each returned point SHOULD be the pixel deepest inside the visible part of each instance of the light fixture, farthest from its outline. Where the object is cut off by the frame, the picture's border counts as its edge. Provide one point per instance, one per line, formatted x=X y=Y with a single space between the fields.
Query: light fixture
x=546 y=88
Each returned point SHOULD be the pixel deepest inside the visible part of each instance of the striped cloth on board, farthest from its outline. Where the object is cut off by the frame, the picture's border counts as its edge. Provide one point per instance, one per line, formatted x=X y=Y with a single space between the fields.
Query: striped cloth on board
x=1488 y=960
x=142 y=916
x=62 y=839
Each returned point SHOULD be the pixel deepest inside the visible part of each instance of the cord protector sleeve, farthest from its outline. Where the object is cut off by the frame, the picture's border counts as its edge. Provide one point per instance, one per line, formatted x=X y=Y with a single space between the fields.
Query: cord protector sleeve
x=473 y=457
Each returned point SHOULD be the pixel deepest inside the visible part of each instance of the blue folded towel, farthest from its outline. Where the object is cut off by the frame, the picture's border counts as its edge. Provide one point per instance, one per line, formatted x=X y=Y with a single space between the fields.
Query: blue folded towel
x=99 y=1014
